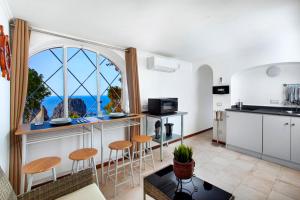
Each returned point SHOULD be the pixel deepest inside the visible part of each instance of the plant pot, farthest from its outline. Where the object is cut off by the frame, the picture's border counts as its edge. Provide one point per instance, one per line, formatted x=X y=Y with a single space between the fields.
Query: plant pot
x=183 y=170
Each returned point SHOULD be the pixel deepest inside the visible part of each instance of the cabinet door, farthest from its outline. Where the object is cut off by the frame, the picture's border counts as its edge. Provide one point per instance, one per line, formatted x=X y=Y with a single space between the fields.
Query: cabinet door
x=244 y=130
x=295 y=139
x=276 y=136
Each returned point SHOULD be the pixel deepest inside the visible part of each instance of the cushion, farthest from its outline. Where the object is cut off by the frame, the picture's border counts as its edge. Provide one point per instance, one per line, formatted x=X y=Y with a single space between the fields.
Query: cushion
x=90 y=192
x=6 y=191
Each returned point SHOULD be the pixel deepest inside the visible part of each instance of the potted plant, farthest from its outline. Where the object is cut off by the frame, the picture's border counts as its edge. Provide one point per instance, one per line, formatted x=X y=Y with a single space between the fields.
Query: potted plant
x=183 y=162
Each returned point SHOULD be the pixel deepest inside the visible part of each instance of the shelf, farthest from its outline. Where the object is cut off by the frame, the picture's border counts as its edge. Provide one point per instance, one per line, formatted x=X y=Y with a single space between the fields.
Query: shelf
x=167 y=139
x=166 y=115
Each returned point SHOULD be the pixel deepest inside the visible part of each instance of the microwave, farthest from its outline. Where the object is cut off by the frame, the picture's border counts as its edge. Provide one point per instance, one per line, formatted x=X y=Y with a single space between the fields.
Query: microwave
x=223 y=89
x=160 y=106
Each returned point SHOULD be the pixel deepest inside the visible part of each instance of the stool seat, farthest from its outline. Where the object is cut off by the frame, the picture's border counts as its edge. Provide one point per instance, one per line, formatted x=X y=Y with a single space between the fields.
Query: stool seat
x=41 y=165
x=142 y=138
x=83 y=154
x=120 y=145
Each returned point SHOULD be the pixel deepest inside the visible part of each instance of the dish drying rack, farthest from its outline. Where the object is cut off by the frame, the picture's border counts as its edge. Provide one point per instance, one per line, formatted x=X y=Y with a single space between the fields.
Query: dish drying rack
x=291 y=94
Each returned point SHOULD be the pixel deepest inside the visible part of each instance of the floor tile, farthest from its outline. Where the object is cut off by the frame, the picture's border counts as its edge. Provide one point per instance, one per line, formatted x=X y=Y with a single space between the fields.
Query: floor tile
x=246 y=193
x=287 y=189
x=277 y=196
x=259 y=184
x=290 y=176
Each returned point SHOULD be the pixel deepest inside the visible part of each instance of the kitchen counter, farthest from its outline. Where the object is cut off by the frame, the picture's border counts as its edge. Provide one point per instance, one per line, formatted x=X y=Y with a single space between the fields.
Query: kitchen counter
x=284 y=111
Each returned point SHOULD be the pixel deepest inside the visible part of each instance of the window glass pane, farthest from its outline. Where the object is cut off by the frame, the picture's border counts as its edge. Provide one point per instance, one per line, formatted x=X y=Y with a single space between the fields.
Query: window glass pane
x=45 y=85
x=110 y=86
x=82 y=82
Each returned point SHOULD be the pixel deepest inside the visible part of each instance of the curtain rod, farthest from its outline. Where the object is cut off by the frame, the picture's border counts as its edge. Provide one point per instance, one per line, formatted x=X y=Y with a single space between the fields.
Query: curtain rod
x=39 y=30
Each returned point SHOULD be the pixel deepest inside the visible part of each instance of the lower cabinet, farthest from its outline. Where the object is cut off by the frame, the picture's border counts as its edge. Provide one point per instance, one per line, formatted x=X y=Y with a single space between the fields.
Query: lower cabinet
x=274 y=136
x=277 y=136
x=295 y=139
x=244 y=130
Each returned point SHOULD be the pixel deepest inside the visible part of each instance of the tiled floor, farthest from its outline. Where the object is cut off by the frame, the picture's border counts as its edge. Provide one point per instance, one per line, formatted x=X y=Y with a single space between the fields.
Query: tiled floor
x=244 y=176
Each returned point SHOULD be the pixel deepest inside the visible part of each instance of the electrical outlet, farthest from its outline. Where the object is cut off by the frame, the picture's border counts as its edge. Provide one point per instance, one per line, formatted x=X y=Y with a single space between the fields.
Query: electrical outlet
x=219 y=104
x=272 y=101
x=145 y=107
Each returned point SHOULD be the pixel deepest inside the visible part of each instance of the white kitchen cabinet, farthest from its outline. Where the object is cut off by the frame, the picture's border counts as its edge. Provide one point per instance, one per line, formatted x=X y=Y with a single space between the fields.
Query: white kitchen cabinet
x=277 y=136
x=244 y=130
x=295 y=139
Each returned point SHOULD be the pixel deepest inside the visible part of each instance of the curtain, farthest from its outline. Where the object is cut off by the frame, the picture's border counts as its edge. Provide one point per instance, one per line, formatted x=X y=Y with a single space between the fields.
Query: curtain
x=133 y=86
x=18 y=91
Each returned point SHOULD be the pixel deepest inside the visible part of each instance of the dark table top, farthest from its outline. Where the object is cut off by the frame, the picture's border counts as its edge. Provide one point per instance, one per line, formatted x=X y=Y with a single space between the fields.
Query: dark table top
x=165 y=180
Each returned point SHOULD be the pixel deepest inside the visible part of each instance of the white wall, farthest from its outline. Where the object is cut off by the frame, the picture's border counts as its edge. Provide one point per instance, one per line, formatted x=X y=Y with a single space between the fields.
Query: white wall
x=254 y=87
x=191 y=85
x=4 y=99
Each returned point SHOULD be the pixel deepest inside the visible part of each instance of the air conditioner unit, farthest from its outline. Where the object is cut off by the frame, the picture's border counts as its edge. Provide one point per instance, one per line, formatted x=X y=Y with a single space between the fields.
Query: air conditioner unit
x=162 y=64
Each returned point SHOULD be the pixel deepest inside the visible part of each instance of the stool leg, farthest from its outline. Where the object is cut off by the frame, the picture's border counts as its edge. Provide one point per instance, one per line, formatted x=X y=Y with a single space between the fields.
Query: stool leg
x=77 y=166
x=123 y=161
x=54 y=174
x=73 y=164
x=131 y=167
x=95 y=169
x=108 y=167
x=116 y=173
x=140 y=159
x=151 y=152
x=134 y=150
x=29 y=182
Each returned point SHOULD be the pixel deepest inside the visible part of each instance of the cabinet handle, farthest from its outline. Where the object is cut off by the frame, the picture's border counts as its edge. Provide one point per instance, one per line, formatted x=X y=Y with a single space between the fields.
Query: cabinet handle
x=286 y=124
x=293 y=124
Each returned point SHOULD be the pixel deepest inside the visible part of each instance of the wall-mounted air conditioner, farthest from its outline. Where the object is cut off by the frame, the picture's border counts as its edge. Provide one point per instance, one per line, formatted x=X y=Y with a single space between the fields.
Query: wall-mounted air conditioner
x=162 y=64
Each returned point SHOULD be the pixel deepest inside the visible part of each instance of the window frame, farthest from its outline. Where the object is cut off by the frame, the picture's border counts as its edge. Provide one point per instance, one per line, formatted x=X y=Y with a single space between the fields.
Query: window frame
x=99 y=53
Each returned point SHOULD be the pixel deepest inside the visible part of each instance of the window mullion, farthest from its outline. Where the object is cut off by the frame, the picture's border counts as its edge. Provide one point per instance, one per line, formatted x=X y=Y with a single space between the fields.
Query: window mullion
x=65 y=72
x=98 y=87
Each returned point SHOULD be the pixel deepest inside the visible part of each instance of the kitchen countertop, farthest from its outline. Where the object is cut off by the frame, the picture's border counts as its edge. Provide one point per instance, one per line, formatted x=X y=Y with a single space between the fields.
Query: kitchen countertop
x=284 y=111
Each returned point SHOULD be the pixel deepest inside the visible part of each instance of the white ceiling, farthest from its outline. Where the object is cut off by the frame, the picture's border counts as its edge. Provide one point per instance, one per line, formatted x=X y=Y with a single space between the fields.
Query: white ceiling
x=187 y=29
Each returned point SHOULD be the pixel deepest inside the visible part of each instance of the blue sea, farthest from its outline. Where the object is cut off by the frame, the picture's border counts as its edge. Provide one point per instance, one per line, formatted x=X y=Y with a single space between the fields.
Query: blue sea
x=52 y=101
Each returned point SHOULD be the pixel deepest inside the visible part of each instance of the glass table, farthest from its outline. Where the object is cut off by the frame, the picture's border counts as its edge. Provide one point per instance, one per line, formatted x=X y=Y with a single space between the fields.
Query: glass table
x=163 y=185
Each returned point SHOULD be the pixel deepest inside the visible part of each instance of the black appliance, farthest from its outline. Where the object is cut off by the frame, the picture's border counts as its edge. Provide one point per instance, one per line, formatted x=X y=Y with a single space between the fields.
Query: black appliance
x=169 y=129
x=160 y=106
x=223 y=89
x=157 y=129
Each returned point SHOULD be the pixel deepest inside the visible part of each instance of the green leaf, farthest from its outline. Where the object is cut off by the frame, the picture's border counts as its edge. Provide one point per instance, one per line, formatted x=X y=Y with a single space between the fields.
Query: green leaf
x=183 y=153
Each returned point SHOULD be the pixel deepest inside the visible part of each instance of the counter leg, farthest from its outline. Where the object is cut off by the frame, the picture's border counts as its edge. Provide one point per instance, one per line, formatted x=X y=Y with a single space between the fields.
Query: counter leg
x=83 y=145
x=161 y=140
x=102 y=170
x=146 y=127
x=92 y=136
x=181 y=129
x=24 y=149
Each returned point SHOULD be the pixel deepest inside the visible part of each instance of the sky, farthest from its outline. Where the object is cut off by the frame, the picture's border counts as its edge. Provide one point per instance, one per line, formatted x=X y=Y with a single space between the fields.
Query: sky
x=81 y=64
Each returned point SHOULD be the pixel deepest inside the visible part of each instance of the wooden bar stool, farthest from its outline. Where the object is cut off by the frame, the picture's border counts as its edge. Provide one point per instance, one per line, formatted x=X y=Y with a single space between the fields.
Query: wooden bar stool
x=123 y=146
x=144 y=143
x=82 y=155
x=40 y=165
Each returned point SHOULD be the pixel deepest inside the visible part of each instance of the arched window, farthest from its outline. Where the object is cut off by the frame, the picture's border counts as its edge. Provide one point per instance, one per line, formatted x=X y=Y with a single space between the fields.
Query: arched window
x=89 y=83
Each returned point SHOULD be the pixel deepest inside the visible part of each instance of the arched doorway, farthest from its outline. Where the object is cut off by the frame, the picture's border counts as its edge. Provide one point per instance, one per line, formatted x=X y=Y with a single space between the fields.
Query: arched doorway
x=205 y=97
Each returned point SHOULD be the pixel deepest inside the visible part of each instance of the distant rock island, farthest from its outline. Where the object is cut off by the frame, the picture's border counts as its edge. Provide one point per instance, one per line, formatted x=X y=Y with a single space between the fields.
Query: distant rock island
x=76 y=107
